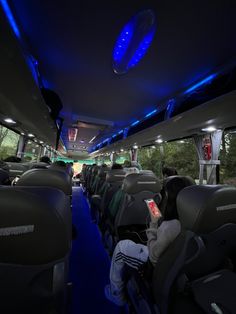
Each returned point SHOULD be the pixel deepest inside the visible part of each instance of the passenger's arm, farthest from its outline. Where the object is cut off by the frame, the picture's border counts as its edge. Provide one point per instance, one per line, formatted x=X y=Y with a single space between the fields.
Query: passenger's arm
x=159 y=238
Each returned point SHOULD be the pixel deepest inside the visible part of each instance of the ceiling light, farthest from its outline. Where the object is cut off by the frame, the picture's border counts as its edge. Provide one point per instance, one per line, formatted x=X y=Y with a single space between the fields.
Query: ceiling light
x=159 y=141
x=134 y=41
x=92 y=139
x=31 y=135
x=135 y=146
x=41 y=142
x=10 y=121
x=209 y=129
x=72 y=134
x=153 y=146
x=22 y=133
x=29 y=142
x=181 y=141
x=121 y=150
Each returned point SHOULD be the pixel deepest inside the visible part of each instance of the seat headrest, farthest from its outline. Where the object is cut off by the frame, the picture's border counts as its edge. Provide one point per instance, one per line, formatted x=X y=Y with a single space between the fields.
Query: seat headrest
x=38 y=165
x=102 y=172
x=204 y=208
x=47 y=177
x=95 y=170
x=17 y=167
x=115 y=175
x=146 y=172
x=131 y=170
x=35 y=225
x=136 y=182
x=178 y=180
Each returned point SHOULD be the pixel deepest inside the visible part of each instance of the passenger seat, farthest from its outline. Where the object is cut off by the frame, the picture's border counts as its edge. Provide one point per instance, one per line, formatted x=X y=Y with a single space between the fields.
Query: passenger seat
x=35 y=243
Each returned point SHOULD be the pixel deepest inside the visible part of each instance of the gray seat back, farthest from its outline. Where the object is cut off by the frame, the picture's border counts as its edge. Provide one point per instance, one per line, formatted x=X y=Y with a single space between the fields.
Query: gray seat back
x=35 y=241
x=137 y=188
x=17 y=169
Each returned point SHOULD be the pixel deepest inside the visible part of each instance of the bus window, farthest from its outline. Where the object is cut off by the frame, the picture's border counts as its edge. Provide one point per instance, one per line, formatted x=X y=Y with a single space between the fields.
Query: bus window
x=180 y=155
x=31 y=152
x=8 y=142
x=228 y=158
x=122 y=157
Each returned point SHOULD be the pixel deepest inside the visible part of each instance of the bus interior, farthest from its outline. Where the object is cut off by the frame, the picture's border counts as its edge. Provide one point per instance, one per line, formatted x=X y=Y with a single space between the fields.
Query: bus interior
x=98 y=101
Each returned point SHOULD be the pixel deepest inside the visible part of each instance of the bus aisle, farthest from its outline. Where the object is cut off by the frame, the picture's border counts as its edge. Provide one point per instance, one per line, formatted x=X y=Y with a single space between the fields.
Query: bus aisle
x=89 y=263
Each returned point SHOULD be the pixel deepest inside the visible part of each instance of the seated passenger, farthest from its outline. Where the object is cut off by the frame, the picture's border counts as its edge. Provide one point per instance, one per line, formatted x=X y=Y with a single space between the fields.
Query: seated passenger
x=160 y=234
x=12 y=159
x=169 y=171
x=127 y=163
x=116 y=166
x=59 y=163
x=45 y=159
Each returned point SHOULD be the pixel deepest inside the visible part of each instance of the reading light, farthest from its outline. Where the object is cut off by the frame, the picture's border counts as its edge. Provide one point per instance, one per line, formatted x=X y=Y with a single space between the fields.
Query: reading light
x=159 y=141
x=10 y=121
x=92 y=139
x=121 y=149
x=209 y=129
x=135 y=146
x=22 y=133
x=31 y=135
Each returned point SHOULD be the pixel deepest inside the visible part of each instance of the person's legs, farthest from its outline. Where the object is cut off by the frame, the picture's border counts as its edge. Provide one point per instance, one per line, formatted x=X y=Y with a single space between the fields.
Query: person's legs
x=126 y=253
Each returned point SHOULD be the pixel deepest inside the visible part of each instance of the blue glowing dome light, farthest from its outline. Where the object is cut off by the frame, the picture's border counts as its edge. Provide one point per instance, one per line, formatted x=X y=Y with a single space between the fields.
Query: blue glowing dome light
x=134 y=41
x=122 y=43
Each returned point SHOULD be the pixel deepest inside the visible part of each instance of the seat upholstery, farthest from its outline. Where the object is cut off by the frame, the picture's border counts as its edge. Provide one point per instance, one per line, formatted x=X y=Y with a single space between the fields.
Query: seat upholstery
x=35 y=241
x=47 y=177
x=137 y=188
x=4 y=176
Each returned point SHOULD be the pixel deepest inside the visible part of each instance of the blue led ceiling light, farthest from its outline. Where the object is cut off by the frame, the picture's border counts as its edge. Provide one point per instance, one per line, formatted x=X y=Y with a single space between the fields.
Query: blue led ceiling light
x=206 y=80
x=135 y=122
x=151 y=113
x=10 y=17
x=134 y=41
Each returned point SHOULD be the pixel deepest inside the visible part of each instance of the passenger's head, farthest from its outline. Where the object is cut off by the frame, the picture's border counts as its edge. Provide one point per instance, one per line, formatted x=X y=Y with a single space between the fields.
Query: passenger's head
x=127 y=164
x=169 y=171
x=116 y=166
x=59 y=163
x=12 y=159
x=45 y=159
x=4 y=166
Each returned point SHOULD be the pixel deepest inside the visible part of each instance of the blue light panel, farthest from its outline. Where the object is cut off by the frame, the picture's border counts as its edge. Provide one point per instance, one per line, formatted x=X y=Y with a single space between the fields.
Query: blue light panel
x=134 y=41
x=135 y=123
x=141 y=50
x=122 y=42
x=203 y=82
x=10 y=17
x=151 y=113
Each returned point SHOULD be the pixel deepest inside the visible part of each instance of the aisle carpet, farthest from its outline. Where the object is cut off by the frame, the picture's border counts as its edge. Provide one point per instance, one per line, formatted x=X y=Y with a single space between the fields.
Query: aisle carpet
x=89 y=263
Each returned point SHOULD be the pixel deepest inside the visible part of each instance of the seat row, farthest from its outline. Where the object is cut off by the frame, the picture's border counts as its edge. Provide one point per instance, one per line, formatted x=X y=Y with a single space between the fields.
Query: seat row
x=196 y=273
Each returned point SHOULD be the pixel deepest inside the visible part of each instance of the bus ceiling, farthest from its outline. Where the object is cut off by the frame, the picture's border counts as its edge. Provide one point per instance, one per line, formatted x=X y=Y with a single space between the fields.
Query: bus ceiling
x=118 y=84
